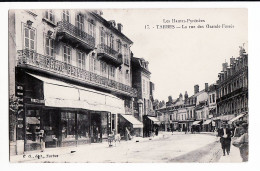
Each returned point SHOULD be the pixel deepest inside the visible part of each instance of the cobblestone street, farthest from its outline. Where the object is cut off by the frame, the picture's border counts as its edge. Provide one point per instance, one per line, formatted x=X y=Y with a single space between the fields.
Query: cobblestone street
x=178 y=147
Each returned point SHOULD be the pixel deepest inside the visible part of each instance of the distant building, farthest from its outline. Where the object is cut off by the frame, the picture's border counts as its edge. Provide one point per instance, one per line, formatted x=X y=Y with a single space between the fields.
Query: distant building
x=232 y=89
x=143 y=103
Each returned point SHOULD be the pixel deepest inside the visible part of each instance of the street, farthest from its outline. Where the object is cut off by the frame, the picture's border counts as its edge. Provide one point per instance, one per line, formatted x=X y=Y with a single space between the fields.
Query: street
x=178 y=147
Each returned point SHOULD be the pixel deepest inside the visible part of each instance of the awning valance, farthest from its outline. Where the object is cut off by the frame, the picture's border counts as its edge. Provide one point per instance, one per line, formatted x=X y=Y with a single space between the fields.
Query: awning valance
x=61 y=94
x=154 y=119
x=136 y=123
x=32 y=120
x=207 y=122
x=196 y=122
x=236 y=118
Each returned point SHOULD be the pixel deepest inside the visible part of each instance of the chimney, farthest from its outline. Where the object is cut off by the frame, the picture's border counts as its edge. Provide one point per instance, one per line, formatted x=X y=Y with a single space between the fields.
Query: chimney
x=224 y=66
x=232 y=60
x=186 y=95
x=196 y=88
x=206 y=87
x=120 y=27
x=113 y=23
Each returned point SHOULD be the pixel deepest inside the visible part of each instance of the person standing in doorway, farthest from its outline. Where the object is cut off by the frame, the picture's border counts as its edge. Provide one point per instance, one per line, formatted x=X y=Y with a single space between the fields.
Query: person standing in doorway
x=225 y=139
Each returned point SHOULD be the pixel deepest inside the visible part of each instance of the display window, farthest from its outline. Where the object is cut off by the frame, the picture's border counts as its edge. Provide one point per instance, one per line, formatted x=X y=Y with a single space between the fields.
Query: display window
x=83 y=126
x=68 y=126
x=32 y=129
x=50 y=123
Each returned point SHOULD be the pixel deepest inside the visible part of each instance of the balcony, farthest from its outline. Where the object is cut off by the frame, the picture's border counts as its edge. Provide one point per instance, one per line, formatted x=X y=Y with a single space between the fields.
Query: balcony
x=109 y=55
x=129 y=111
x=32 y=60
x=71 y=34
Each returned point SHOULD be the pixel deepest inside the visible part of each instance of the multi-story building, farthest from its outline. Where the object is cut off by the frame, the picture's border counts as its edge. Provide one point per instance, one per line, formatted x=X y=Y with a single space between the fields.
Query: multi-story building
x=71 y=70
x=143 y=102
x=232 y=89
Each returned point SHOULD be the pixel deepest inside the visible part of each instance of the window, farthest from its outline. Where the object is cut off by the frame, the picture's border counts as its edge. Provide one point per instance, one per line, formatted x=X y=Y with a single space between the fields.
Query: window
x=67 y=54
x=111 y=41
x=80 y=22
x=143 y=86
x=120 y=75
x=102 y=36
x=91 y=29
x=127 y=76
x=112 y=71
x=210 y=98
x=92 y=65
x=49 y=46
x=66 y=15
x=213 y=98
x=29 y=38
x=81 y=63
x=119 y=46
x=103 y=68
x=49 y=15
x=126 y=55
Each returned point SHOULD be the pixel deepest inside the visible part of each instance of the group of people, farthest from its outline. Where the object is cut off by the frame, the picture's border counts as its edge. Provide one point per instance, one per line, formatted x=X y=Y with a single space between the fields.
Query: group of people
x=239 y=135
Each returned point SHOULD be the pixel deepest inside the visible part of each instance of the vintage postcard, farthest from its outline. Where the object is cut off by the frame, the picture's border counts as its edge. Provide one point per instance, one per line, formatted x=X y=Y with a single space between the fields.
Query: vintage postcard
x=128 y=85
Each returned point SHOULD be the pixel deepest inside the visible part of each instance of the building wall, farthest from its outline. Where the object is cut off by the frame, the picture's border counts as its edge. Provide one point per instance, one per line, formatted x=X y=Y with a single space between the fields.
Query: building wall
x=232 y=90
x=43 y=27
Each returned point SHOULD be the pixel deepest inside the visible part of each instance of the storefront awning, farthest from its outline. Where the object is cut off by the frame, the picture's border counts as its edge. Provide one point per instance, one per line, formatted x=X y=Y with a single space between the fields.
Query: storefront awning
x=196 y=122
x=133 y=121
x=207 y=122
x=154 y=119
x=60 y=94
x=236 y=118
x=32 y=120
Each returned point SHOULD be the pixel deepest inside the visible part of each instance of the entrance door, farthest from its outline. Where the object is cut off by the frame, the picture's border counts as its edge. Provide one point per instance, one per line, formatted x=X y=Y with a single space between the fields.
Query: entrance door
x=96 y=133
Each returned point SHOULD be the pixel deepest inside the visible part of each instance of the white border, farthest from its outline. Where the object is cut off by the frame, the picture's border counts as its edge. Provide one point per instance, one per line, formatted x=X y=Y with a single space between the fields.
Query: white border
x=254 y=84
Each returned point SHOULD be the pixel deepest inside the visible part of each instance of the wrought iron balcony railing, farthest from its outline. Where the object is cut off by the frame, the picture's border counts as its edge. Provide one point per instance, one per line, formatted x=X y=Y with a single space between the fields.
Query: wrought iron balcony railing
x=75 y=32
x=108 y=54
x=46 y=63
x=129 y=110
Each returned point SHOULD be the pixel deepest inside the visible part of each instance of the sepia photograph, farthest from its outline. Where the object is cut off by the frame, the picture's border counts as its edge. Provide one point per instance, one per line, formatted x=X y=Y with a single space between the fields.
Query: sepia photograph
x=154 y=85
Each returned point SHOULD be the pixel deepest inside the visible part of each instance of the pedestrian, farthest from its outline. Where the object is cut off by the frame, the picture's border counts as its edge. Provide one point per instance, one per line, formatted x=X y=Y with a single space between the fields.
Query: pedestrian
x=239 y=130
x=225 y=139
x=242 y=143
x=156 y=131
x=42 y=140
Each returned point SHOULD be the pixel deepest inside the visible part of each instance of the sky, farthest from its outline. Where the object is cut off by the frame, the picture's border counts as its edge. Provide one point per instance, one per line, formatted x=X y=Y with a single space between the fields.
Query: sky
x=179 y=58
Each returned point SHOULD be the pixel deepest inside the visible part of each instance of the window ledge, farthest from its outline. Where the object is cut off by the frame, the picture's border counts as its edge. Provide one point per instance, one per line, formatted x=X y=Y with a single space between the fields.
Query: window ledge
x=49 y=22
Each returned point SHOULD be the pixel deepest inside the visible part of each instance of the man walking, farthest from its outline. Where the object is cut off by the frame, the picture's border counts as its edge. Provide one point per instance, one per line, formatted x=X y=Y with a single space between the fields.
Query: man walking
x=225 y=139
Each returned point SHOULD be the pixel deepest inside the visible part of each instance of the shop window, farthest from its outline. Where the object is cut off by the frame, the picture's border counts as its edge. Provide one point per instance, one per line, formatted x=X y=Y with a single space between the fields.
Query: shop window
x=68 y=126
x=50 y=123
x=32 y=129
x=83 y=127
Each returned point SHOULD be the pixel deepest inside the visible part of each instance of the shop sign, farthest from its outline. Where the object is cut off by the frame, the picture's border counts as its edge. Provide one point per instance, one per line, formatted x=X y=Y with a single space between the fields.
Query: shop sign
x=37 y=101
x=20 y=125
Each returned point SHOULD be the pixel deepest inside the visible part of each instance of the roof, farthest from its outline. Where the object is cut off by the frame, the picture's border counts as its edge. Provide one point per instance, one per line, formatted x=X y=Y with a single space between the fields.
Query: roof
x=110 y=27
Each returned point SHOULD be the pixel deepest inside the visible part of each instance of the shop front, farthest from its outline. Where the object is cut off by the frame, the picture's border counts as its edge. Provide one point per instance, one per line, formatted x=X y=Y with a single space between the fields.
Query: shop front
x=63 y=114
x=129 y=124
x=151 y=125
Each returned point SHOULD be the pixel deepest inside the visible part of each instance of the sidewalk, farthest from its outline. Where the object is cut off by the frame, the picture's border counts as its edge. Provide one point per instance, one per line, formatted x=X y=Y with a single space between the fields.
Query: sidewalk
x=33 y=155
x=233 y=157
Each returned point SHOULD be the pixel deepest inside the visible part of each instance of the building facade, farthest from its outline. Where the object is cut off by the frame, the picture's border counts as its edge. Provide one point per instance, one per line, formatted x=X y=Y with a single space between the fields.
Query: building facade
x=143 y=103
x=71 y=72
x=232 y=89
